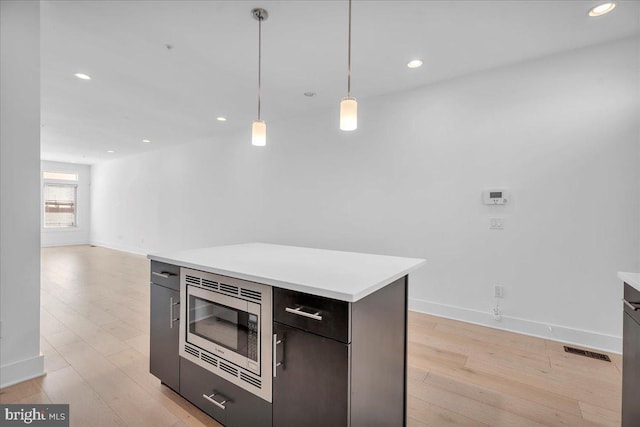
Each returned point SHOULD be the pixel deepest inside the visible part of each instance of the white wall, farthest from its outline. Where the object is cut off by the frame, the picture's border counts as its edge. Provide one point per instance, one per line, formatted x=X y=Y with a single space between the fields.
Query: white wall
x=78 y=235
x=20 y=191
x=560 y=133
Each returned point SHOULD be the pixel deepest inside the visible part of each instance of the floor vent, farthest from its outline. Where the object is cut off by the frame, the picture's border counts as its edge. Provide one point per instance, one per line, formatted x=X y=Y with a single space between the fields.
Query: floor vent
x=587 y=353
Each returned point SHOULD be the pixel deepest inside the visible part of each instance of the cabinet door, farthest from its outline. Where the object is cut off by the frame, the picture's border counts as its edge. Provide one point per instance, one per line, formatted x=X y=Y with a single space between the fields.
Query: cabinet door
x=164 y=361
x=630 y=373
x=311 y=387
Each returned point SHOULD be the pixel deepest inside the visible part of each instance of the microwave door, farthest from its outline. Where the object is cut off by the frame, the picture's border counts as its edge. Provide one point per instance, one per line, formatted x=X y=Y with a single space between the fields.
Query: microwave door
x=222 y=325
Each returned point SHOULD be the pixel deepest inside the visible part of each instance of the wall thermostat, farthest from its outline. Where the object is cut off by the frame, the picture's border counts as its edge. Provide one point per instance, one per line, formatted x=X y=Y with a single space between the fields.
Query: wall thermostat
x=495 y=197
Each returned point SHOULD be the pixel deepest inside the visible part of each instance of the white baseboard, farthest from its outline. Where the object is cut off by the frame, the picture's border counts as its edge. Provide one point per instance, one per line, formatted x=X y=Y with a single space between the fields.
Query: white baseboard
x=579 y=337
x=23 y=370
x=73 y=243
x=123 y=248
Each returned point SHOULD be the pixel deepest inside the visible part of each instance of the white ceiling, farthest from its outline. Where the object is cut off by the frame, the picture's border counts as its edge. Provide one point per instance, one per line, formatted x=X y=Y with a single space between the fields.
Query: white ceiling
x=140 y=89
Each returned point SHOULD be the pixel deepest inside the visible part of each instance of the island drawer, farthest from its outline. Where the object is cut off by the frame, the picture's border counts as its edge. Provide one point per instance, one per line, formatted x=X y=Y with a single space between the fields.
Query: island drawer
x=632 y=296
x=227 y=403
x=166 y=275
x=322 y=316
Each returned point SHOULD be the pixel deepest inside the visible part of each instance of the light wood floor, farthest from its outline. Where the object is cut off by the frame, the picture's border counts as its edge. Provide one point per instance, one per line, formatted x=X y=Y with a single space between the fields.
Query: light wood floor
x=95 y=338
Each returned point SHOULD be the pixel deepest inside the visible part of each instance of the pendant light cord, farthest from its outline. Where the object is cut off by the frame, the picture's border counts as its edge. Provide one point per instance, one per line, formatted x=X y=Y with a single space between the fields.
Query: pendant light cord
x=259 y=60
x=349 y=54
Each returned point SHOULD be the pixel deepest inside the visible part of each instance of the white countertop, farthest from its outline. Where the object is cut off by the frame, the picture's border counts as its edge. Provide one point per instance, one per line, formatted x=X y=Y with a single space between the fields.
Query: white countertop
x=632 y=279
x=346 y=276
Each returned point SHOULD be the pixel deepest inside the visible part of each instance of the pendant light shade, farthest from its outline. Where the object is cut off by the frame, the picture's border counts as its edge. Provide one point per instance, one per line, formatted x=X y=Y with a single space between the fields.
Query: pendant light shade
x=349 y=105
x=348 y=114
x=259 y=133
x=259 y=127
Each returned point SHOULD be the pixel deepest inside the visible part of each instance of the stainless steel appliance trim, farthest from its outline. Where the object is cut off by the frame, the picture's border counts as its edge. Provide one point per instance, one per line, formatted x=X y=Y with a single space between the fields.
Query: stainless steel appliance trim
x=215 y=402
x=299 y=312
x=260 y=384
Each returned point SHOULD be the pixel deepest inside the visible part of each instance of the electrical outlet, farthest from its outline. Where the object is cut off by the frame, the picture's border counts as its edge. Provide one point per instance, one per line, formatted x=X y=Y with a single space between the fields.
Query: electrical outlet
x=497 y=314
x=498 y=291
x=496 y=223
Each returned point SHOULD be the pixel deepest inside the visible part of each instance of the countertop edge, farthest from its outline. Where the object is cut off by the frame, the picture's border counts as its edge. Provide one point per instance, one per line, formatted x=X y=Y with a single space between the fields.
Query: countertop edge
x=382 y=284
x=347 y=297
x=632 y=279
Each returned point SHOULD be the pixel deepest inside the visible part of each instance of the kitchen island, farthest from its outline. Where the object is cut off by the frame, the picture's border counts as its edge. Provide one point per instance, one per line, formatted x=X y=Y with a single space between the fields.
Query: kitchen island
x=270 y=335
x=630 y=349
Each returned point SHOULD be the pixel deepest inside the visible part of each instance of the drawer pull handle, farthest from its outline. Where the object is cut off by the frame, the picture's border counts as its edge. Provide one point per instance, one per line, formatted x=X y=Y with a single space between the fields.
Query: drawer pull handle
x=163 y=274
x=632 y=305
x=276 y=341
x=220 y=405
x=171 y=319
x=299 y=312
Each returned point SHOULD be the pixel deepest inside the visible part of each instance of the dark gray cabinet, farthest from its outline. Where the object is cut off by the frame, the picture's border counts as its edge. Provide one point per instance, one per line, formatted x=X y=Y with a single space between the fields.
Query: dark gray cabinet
x=631 y=359
x=311 y=386
x=340 y=363
x=230 y=405
x=164 y=361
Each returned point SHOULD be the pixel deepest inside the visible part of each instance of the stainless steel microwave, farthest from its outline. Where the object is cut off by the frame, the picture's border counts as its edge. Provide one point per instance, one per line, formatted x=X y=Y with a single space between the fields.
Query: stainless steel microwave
x=225 y=327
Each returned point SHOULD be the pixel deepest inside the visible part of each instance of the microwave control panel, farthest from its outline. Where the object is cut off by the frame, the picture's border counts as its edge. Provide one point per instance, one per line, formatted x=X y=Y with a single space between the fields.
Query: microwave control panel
x=252 y=339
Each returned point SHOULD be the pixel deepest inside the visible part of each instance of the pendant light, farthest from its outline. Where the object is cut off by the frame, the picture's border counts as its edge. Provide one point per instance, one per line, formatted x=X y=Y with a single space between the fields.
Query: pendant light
x=349 y=105
x=259 y=127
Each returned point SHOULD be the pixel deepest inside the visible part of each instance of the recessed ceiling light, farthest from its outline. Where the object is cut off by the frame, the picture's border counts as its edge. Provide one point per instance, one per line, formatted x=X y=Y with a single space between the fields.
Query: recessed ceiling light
x=309 y=94
x=602 y=9
x=221 y=119
x=82 y=76
x=110 y=151
x=415 y=63
x=146 y=140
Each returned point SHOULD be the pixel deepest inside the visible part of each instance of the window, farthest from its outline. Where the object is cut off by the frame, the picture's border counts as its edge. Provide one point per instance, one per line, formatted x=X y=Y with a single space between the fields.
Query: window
x=60 y=205
x=61 y=176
